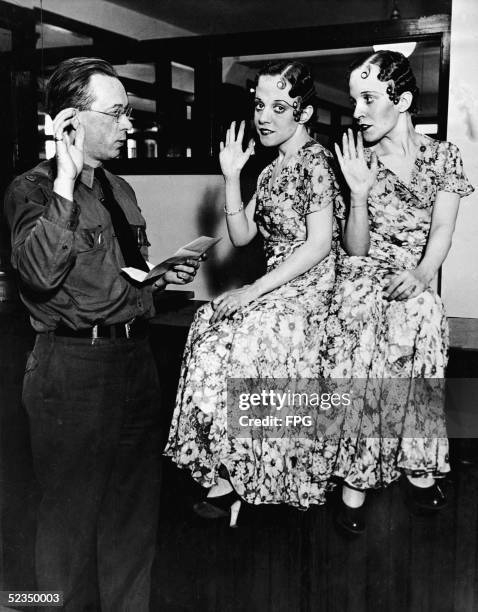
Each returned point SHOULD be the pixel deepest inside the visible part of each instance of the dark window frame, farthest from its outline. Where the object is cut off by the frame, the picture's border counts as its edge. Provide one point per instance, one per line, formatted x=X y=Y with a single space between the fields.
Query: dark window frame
x=205 y=54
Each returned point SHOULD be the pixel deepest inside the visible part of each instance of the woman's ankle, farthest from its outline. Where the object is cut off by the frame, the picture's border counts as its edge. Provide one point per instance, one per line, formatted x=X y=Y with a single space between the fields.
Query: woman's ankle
x=352 y=497
x=222 y=487
x=422 y=481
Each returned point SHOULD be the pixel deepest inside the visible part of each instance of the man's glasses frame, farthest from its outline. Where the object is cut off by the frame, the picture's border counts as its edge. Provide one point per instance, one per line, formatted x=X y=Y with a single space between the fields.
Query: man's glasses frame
x=117 y=114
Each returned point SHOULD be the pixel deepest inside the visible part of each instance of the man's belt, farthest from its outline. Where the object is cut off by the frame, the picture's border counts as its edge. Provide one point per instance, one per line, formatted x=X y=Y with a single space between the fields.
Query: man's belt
x=136 y=329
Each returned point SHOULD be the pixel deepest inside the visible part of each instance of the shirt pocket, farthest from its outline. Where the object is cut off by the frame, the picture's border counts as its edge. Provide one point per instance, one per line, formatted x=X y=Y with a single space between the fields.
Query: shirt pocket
x=89 y=239
x=94 y=278
x=139 y=232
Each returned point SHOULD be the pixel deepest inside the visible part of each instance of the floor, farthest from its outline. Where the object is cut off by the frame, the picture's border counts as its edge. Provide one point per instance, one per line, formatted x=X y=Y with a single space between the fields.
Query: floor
x=278 y=558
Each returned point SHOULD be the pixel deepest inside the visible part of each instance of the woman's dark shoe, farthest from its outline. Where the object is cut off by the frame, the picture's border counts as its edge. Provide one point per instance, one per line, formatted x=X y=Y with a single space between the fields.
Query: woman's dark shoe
x=351 y=520
x=427 y=498
x=220 y=507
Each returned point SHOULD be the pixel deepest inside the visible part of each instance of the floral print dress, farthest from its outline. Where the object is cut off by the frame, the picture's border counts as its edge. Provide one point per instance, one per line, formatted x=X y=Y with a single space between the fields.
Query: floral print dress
x=277 y=336
x=370 y=337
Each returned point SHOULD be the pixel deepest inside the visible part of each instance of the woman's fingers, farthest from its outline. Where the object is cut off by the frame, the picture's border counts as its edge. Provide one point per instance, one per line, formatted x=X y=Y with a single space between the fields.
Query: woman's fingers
x=223 y=306
x=219 y=313
x=338 y=152
x=232 y=132
x=394 y=282
x=360 y=151
x=403 y=292
x=345 y=146
x=351 y=144
x=400 y=287
x=374 y=163
x=217 y=301
x=415 y=292
x=240 y=133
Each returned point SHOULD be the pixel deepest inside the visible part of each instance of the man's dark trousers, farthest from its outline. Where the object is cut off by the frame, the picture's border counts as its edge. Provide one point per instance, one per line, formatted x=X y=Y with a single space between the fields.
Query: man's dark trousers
x=93 y=407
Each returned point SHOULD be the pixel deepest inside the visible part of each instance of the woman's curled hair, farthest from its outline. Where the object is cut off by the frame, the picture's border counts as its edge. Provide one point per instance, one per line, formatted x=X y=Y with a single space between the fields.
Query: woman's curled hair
x=300 y=79
x=393 y=66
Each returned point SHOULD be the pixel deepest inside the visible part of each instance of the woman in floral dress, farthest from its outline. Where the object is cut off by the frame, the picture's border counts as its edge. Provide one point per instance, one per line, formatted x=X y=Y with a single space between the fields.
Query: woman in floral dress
x=386 y=320
x=273 y=327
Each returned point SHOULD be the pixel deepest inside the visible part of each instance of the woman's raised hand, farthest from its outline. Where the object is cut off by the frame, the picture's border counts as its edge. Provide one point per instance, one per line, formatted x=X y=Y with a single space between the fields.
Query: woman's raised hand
x=359 y=175
x=231 y=157
x=69 y=137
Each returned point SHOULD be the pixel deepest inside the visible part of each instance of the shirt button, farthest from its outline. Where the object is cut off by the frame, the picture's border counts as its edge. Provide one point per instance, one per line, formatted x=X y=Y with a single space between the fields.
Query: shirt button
x=423 y=148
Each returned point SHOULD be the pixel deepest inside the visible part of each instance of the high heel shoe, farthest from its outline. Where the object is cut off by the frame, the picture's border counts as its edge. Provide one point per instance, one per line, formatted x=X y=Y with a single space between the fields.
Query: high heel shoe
x=221 y=506
x=350 y=519
x=430 y=498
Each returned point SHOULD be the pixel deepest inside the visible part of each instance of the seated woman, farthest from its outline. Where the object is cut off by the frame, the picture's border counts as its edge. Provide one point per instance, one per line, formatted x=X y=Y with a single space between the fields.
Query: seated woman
x=273 y=327
x=387 y=321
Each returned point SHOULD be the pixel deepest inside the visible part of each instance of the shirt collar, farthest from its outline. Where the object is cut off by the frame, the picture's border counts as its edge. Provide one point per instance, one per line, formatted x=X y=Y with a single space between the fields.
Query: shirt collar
x=87 y=175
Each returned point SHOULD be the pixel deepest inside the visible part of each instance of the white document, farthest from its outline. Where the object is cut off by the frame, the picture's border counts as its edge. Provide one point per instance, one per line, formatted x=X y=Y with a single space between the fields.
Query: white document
x=196 y=248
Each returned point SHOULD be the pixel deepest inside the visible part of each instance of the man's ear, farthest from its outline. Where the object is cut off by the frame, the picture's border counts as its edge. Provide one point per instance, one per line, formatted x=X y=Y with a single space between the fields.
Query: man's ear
x=306 y=113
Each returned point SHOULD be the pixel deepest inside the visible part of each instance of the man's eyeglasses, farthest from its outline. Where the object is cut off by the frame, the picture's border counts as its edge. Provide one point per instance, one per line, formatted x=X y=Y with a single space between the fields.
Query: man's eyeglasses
x=117 y=114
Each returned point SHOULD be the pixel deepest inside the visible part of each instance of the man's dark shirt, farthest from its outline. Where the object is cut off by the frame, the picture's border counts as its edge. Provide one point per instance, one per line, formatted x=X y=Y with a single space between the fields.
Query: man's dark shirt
x=66 y=255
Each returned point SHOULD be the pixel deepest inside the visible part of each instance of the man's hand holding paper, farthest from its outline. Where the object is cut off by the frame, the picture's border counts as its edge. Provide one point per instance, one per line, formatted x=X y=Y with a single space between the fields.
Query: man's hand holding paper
x=179 y=269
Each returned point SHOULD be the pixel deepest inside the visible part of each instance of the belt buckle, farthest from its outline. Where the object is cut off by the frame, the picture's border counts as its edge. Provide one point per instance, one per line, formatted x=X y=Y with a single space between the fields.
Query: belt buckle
x=127 y=327
x=94 y=334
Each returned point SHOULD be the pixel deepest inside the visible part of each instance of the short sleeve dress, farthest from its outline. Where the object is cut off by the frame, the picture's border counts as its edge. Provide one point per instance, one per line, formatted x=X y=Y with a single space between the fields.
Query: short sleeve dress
x=370 y=337
x=276 y=336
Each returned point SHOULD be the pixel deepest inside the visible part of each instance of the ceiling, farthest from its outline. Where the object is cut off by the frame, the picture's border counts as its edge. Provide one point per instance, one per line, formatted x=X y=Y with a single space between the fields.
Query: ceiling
x=223 y=16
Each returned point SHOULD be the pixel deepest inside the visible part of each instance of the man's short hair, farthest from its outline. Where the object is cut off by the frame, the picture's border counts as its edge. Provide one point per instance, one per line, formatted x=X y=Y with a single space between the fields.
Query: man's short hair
x=68 y=85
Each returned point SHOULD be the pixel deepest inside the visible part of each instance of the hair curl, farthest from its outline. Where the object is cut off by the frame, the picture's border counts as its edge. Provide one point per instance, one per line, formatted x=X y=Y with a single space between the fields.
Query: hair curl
x=301 y=81
x=393 y=66
x=69 y=84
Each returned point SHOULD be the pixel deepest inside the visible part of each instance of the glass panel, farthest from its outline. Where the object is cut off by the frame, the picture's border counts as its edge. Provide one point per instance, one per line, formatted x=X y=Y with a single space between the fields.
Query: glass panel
x=5 y=40
x=45 y=129
x=52 y=36
x=330 y=69
x=325 y=116
x=139 y=80
x=146 y=73
x=182 y=77
x=430 y=129
x=8 y=158
x=181 y=111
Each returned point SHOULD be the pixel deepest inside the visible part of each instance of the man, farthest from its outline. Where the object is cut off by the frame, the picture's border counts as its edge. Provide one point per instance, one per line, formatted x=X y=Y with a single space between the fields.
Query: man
x=90 y=387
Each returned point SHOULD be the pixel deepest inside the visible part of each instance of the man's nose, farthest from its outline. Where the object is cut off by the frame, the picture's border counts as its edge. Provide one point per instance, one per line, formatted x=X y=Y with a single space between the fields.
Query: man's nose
x=125 y=123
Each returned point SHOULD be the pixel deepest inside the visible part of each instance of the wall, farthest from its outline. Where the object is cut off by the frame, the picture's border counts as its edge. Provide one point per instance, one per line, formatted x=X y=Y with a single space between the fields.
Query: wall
x=180 y=208
x=199 y=198
x=460 y=271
